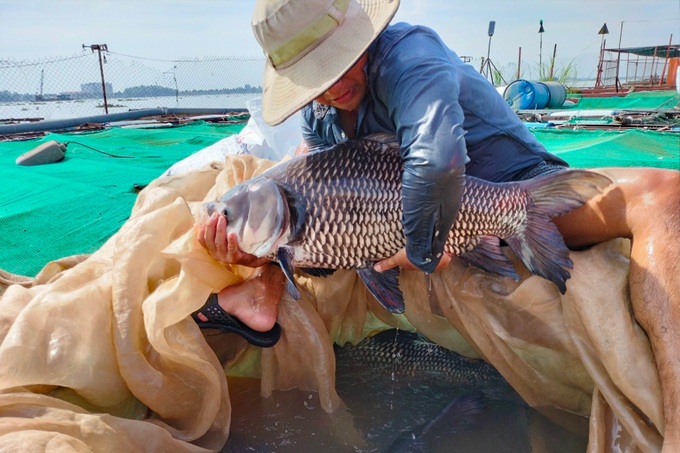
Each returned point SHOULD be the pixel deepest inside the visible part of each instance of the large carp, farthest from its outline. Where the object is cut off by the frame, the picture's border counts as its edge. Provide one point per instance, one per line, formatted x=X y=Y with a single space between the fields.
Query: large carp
x=341 y=208
x=403 y=354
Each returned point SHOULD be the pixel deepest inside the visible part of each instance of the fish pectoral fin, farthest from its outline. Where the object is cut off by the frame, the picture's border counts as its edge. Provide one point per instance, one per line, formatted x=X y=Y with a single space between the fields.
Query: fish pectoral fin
x=284 y=256
x=487 y=255
x=385 y=287
x=318 y=272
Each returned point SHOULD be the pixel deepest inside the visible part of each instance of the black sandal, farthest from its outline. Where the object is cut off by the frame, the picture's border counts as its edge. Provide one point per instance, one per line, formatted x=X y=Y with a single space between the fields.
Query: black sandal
x=221 y=320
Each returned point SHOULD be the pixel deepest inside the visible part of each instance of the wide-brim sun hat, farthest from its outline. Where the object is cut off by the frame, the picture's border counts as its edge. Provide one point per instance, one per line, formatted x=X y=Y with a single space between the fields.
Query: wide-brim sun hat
x=310 y=44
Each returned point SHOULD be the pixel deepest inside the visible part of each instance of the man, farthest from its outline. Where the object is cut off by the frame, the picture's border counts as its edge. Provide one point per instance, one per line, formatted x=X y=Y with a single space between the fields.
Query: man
x=352 y=76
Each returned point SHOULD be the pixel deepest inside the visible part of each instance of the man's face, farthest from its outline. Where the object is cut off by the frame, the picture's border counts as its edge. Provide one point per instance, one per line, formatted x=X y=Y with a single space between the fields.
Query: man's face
x=347 y=93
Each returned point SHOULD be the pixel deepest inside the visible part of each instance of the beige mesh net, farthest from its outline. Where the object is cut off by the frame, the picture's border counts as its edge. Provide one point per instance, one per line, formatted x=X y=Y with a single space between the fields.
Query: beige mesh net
x=99 y=352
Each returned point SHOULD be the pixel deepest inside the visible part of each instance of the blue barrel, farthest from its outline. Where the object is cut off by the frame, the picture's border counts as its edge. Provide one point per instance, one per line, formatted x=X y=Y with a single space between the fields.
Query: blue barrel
x=558 y=94
x=525 y=95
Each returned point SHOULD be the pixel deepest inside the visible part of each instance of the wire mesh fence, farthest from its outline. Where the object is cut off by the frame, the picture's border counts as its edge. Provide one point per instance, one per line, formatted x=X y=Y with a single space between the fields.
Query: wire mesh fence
x=98 y=82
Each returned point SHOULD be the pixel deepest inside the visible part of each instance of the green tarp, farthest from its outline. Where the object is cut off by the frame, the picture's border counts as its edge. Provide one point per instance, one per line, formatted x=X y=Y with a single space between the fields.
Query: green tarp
x=643 y=100
x=609 y=147
x=52 y=211
x=74 y=206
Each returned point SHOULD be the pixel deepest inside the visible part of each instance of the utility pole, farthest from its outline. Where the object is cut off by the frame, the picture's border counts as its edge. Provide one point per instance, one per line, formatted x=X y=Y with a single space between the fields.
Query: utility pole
x=665 y=62
x=618 y=60
x=552 y=62
x=99 y=48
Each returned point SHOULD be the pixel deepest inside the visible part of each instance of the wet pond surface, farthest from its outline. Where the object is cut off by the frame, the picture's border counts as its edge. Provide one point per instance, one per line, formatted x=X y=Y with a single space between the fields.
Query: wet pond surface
x=399 y=399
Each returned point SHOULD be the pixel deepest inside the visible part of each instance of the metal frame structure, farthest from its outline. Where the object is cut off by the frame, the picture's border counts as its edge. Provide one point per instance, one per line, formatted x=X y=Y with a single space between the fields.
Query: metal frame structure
x=638 y=67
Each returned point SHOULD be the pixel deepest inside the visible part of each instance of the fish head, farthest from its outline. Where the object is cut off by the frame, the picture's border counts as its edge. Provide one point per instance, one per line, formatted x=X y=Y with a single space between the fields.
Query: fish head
x=257 y=212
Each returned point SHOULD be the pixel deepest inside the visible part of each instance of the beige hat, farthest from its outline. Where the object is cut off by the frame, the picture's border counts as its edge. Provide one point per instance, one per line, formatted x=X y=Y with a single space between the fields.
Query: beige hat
x=310 y=44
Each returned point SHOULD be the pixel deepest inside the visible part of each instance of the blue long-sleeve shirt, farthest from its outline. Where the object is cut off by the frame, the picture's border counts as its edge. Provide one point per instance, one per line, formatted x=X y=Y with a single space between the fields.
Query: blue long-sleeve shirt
x=444 y=114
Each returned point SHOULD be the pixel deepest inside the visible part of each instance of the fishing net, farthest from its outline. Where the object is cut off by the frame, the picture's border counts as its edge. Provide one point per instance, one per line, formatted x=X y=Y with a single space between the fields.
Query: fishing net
x=147 y=380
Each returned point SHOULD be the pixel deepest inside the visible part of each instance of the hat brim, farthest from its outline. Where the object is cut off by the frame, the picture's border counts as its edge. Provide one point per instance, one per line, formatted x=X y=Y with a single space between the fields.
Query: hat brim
x=287 y=90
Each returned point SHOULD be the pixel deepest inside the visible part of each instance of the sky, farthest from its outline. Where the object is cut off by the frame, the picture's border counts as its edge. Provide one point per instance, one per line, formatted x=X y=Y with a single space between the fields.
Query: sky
x=180 y=29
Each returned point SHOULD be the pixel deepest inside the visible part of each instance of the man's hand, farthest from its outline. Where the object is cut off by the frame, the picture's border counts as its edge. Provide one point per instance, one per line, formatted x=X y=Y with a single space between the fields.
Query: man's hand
x=224 y=247
x=401 y=260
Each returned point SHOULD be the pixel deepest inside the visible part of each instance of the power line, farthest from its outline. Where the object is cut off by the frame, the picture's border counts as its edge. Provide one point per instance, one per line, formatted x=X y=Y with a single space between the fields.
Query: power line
x=193 y=60
x=23 y=64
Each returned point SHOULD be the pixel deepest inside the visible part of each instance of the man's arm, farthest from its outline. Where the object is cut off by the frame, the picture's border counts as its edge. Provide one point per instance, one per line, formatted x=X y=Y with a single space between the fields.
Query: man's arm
x=419 y=85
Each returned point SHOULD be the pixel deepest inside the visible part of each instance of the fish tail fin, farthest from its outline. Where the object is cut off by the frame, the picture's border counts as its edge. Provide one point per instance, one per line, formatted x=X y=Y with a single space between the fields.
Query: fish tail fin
x=558 y=193
x=540 y=245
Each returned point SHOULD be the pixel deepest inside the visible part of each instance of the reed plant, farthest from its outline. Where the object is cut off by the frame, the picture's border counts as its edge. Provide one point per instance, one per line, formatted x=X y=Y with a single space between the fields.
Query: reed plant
x=564 y=74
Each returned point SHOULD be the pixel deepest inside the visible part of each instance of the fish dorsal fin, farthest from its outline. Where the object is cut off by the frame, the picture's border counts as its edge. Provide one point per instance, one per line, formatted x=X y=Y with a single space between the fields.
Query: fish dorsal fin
x=487 y=255
x=385 y=287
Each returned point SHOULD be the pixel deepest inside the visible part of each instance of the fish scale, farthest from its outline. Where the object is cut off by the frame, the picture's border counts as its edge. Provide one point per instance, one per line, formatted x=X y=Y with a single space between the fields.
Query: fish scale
x=329 y=187
x=344 y=213
x=481 y=212
x=341 y=208
x=407 y=354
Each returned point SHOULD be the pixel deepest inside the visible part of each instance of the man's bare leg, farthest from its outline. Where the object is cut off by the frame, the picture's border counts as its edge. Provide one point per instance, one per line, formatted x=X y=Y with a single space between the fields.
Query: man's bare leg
x=644 y=205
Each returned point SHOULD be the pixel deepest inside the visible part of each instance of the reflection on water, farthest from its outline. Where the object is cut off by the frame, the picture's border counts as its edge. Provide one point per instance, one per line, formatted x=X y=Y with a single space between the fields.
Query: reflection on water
x=391 y=411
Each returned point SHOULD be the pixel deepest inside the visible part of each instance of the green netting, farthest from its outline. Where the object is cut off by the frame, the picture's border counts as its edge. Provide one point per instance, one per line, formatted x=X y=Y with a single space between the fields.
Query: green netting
x=643 y=100
x=606 y=148
x=52 y=211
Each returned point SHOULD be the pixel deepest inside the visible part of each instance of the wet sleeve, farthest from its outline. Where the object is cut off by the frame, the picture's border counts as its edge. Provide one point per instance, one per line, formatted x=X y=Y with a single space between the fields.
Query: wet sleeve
x=419 y=86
